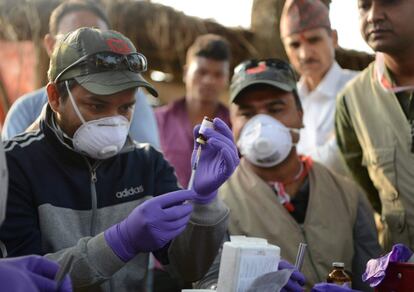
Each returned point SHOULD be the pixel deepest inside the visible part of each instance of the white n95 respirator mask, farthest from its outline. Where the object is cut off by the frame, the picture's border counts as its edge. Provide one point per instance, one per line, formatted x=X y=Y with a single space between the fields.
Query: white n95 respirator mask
x=102 y=138
x=264 y=141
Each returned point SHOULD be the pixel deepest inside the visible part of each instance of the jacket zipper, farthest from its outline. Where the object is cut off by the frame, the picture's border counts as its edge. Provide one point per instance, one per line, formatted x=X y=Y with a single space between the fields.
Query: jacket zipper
x=308 y=251
x=94 y=196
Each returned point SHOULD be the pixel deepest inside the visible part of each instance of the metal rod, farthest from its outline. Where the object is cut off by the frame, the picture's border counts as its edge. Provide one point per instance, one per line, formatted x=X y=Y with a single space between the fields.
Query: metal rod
x=300 y=255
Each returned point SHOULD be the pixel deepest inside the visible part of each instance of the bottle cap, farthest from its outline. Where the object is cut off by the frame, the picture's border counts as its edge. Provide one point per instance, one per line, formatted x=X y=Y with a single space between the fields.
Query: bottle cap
x=338 y=265
x=207 y=123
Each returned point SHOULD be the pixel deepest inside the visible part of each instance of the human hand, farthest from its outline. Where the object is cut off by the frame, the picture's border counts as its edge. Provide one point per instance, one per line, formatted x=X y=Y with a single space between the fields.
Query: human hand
x=297 y=279
x=31 y=273
x=329 y=287
x=375 y=270
x=151 y=225
x=219 y=158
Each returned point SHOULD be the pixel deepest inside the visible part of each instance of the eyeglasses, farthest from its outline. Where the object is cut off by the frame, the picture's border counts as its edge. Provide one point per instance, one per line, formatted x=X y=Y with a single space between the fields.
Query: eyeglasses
x=255 y=66
x=108 y=61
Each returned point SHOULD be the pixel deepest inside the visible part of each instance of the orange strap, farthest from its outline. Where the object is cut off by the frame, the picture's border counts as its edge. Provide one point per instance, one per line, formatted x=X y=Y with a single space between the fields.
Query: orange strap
x=279 y=187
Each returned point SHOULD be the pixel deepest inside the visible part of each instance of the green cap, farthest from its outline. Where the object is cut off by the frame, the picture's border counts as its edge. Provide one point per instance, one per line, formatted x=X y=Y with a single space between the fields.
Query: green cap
x=89 y=41
x=274 y=72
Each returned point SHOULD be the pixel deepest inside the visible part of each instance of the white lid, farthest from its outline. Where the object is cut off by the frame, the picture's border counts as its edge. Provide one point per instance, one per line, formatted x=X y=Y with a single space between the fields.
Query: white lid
x=206 y=124
x=338 y=265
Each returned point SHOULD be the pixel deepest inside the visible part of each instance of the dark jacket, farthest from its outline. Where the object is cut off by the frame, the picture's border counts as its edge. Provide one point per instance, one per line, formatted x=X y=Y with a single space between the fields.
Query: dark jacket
x=60 y=202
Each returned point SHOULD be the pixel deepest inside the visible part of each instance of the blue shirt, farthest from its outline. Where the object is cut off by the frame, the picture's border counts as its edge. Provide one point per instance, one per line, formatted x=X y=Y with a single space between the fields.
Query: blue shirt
x=27 y=108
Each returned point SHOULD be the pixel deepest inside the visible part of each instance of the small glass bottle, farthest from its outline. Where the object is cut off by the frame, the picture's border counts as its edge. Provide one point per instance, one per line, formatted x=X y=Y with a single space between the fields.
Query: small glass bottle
x=339 y=276
x=206 y=123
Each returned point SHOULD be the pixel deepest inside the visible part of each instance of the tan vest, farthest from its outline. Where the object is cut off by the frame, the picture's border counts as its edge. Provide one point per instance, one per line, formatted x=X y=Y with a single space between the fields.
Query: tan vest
x=328 y=227
x=384 y=134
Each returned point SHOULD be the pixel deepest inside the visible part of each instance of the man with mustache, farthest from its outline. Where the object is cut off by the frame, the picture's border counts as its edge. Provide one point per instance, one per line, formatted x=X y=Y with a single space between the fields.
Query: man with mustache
x=375 y=117
x=288 y=198
x=310 y=44
x=100 y=197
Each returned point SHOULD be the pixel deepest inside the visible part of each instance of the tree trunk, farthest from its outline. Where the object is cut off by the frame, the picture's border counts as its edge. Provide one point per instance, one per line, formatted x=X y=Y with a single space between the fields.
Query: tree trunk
x=265 y=27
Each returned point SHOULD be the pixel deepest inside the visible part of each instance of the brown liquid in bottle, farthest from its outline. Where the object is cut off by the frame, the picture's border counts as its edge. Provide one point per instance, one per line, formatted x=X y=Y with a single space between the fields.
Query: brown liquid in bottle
x=207 y=123
x=338 y=275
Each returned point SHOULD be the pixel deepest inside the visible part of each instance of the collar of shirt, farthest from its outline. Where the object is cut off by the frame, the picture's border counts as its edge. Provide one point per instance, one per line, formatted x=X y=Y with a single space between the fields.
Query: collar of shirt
x=327 y=86
x=384 y=77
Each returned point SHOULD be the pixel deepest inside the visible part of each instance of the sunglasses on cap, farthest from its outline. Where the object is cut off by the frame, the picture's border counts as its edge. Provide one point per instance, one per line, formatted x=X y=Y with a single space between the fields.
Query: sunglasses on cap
x=108 y=61
x=255 y=66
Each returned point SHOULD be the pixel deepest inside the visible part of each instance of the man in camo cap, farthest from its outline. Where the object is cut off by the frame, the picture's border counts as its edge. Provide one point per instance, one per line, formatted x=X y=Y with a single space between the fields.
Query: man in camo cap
x=101 y=198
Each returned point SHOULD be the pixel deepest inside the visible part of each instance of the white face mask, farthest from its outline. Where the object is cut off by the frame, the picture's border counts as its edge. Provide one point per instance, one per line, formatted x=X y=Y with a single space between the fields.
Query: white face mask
x=99 y=139
x=264 y=141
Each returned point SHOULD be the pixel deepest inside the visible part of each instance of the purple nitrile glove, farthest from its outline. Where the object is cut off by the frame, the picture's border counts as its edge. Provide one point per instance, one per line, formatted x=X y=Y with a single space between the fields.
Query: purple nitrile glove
x=297 y=279
x=375 y=270
x=329 y=287
x=151 y=225
x=219 y=158
x=30 y=273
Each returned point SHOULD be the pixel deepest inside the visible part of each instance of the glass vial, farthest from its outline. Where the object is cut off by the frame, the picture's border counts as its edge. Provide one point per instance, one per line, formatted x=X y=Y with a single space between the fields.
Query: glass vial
x=207 y=123
x=338 y=275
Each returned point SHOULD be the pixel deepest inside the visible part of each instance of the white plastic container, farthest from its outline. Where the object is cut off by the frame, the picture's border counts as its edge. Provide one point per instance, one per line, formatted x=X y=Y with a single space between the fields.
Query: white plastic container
x=243 y=260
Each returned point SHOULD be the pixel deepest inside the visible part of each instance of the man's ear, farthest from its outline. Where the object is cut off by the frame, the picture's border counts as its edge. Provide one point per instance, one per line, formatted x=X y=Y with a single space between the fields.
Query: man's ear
x=334 y=35
x=53 y=96
x=300 y=116
x=185 y=69
x=49 y=43
x=302 y=125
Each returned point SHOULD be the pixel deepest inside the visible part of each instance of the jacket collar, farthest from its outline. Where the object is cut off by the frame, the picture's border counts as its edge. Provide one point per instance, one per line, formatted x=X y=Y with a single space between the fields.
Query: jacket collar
x=385 y=78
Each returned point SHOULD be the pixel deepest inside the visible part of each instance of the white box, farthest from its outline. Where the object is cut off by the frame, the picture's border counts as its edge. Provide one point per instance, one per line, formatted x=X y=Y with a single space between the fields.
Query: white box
x=243 y=260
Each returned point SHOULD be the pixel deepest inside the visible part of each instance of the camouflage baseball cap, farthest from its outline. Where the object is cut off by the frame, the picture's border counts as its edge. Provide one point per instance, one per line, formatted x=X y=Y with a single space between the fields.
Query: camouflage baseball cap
x=274 y=72
x=300 y=15
x=103 y=62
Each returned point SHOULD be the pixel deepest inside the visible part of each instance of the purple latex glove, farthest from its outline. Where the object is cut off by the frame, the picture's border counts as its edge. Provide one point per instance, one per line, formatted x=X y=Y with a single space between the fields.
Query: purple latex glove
x=151 y=225
x=297 y=279
x=328 y=287
x=219 y=158
x=30 y=273
x=375 y=270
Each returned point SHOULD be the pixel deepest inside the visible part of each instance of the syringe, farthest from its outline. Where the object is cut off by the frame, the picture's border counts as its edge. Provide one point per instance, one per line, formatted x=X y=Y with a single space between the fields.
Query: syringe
x=201 y=140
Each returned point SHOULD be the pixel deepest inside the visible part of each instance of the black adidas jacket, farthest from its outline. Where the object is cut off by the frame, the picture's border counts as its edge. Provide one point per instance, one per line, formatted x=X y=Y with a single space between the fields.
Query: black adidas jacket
x=60 y=202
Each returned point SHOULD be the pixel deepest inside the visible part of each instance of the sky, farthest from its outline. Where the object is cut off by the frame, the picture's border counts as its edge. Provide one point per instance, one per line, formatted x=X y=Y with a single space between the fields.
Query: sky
x=344 y=18
x=343 y=14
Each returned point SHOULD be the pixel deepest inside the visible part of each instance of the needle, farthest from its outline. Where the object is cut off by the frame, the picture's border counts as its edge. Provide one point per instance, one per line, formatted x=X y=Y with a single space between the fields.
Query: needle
x=194 y=168
x=201 y=140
